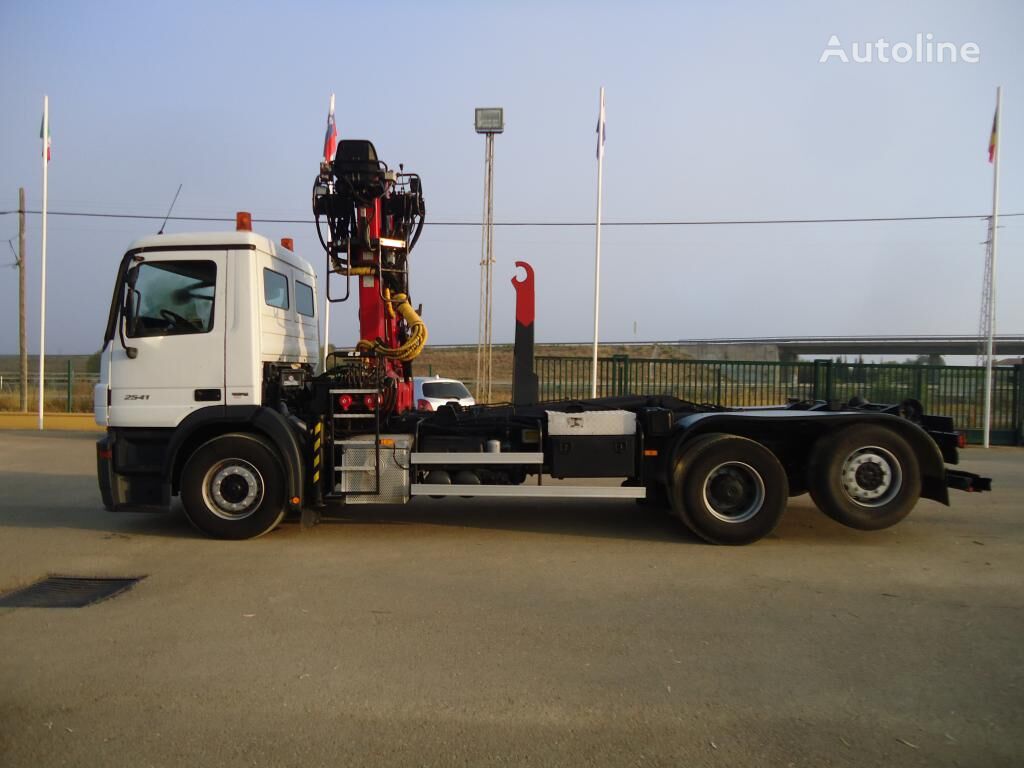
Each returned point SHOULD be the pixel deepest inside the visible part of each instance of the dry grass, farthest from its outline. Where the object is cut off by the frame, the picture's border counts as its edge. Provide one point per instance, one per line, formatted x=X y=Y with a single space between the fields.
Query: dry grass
x=55 y=402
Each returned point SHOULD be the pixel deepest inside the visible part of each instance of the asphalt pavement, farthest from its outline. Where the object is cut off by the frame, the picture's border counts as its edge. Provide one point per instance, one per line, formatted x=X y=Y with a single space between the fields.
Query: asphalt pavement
x=494 y=632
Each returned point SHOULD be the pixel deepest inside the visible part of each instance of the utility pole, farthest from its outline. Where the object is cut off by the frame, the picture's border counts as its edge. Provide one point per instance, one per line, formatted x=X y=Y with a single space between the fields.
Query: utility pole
x=22 y=338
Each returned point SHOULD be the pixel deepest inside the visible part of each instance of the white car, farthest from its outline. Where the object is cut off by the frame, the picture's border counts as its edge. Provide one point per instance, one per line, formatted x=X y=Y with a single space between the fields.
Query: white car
x=431 y=391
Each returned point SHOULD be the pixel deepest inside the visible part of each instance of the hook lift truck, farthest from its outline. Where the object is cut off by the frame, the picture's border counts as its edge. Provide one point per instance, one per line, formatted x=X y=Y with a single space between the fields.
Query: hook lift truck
x=210 y=391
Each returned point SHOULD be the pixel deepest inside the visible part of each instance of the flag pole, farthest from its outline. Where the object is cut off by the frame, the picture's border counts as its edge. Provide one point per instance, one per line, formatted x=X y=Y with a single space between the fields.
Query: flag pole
x=327 y=324
x=328 y=157
x=997 y=132
x=597 y=241
x=42 y=271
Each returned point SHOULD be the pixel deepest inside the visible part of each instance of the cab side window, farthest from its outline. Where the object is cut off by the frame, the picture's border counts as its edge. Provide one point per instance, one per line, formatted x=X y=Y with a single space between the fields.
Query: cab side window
x=303 y=298
x=275 y=289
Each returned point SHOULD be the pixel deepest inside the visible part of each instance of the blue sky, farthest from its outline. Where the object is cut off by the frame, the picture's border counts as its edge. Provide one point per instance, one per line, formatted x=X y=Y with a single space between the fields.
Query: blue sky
x=715 y=111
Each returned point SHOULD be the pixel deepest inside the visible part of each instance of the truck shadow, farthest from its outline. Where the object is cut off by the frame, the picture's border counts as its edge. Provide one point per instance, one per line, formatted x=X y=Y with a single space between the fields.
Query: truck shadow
x=596 y=519
x=71 y=501
x=47 y=500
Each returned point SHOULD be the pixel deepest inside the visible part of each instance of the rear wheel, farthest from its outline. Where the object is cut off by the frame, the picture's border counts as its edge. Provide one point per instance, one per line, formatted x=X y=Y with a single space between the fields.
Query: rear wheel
x=865 y=476
x=728 y=489
x=232 y=487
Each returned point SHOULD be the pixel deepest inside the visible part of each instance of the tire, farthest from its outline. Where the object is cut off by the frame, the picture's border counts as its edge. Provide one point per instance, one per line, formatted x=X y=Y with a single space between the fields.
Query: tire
x=232 y=487
x=865 y=477
x=728 y=489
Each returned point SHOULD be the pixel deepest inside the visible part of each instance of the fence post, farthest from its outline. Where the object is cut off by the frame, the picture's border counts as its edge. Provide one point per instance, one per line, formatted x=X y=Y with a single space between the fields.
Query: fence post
x=620 y=368
x=823 y=388
x=1018 y=402
x=919 y=383
x=71 y=382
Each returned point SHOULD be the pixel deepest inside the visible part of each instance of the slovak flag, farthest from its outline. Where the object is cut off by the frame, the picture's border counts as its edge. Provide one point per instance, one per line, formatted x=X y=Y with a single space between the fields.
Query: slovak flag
x=46 y=139
x=331 y=139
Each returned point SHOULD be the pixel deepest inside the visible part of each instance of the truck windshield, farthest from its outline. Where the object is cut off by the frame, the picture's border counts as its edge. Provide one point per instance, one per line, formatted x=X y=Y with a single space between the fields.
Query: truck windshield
x=172 y=297
x=453 y=389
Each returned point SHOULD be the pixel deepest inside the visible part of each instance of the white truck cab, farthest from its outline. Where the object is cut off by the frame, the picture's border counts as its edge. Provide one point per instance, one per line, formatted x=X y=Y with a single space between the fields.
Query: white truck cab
x=194 y=321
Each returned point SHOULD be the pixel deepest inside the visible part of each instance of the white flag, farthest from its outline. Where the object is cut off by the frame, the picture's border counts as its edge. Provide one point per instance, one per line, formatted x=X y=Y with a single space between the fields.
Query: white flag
x=600 y=128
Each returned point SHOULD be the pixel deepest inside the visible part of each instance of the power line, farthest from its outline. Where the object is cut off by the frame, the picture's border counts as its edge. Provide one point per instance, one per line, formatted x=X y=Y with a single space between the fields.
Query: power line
x=671 y=223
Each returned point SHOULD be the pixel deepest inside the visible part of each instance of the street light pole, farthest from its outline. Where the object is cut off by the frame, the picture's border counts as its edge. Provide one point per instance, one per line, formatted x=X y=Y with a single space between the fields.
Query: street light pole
x=488 y=121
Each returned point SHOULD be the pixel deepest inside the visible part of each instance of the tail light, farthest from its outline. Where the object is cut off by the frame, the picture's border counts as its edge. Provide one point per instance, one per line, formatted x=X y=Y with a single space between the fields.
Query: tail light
x=424 y=405
x=345 y=401
x=370 y=401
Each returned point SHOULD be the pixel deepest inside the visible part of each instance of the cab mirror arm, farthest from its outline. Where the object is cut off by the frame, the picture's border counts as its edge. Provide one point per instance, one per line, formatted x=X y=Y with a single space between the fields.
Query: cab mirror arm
x=129 y=313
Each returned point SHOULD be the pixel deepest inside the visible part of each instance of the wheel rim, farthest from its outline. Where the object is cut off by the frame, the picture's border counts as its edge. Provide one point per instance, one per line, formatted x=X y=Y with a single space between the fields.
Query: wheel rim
x=733 y=492
x=871 y=476
x=233 y=489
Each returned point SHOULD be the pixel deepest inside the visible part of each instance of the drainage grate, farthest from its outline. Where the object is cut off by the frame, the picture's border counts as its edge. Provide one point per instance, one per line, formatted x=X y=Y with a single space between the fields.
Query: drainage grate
x=66 y=592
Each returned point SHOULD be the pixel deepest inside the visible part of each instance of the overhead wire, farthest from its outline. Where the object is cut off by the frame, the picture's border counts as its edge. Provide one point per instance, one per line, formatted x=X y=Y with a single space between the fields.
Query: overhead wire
x=655 y=223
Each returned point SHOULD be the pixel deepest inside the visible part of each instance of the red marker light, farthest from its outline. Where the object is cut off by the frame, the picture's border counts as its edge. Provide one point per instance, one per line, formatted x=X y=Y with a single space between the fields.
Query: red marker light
x=345 y=401
x=370 y=401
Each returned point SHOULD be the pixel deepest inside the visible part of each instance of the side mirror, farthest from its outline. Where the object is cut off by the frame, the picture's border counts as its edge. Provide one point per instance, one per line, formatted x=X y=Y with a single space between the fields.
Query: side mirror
x=129 y=311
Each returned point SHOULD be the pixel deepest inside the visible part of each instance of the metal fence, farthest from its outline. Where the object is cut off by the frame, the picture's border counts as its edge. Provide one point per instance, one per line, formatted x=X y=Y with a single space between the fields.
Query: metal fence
x=948 y=390
x=956 y=391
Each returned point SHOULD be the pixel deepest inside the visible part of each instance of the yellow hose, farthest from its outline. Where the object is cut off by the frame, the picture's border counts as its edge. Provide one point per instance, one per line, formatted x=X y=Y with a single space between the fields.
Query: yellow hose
x=411 y=349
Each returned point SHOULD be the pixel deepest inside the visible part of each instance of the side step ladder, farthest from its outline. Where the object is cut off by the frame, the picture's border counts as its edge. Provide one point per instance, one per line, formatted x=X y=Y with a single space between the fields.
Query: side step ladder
x=341 y=424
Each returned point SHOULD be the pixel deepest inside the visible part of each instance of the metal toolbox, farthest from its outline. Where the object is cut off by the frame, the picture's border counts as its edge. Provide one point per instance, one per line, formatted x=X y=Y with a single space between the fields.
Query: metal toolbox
x=592 y=455
x=561 y=423
x=358 y=478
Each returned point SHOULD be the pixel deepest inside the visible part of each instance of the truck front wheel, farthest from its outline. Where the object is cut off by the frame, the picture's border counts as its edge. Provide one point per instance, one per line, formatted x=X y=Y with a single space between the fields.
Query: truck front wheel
x=232 y=487
x=728 y=489
x=865 y=477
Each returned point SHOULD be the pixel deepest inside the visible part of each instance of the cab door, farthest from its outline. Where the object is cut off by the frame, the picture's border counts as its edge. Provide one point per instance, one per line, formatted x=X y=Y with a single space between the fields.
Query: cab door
x=170 y=360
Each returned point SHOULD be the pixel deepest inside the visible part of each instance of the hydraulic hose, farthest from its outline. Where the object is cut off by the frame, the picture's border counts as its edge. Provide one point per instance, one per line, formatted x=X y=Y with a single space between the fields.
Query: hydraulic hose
x=411 y=349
